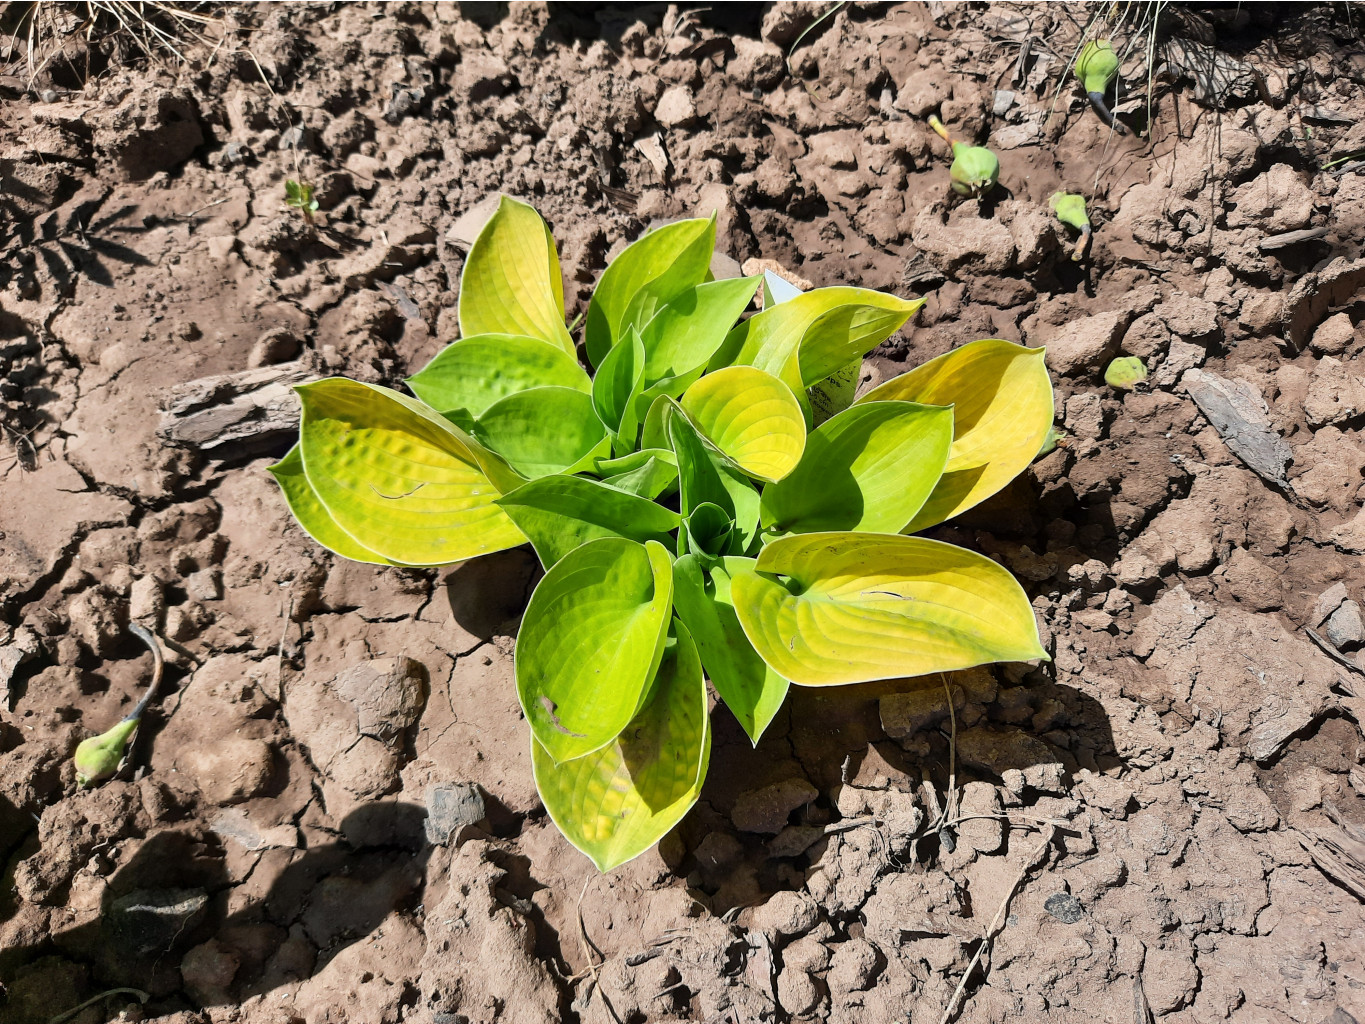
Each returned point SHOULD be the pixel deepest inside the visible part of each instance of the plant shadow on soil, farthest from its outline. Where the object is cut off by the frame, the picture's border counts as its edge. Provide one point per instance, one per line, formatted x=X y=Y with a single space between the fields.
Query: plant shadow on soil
x=175 y=892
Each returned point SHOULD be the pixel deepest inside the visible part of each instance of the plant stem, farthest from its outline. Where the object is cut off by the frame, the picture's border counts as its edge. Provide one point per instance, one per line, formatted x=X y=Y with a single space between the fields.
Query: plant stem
x=1101 y=108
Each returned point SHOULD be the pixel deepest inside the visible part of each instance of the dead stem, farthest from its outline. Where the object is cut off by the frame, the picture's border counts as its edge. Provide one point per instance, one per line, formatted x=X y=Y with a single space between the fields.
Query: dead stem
x=992 y=928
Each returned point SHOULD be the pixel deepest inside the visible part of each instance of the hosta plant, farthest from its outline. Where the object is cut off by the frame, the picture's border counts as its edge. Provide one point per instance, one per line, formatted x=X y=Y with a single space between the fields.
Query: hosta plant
x=693 y=520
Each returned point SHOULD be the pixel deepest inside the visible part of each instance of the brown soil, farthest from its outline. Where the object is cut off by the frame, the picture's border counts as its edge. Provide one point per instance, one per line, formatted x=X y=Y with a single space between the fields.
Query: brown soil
x=1168 y=821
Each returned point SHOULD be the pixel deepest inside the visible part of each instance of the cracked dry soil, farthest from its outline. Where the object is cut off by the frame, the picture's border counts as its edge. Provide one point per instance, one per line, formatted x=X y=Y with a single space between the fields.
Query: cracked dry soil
x=1166 y=822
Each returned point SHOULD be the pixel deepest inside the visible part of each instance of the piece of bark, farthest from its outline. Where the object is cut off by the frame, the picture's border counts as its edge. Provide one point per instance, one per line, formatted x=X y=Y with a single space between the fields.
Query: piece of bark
x=1239 y=413
x=235 y=414
x=1338 y=856
x=1287 y=238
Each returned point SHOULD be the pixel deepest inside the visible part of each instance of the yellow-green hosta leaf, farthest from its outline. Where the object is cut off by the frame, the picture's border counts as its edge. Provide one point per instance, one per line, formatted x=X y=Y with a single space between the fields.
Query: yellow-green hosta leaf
x=1002 y=410
x=648 y=472
x=855 y=607
x=683 y=336
x=751 y=417
x=590 y=642
x=663 y=263
x=869 y=468
x=560 y=513
x=511 y=282
x=473 y=373
x=399 y=478
x=816 y=333
x=705 y=476
x=617 y=802
x=316 y=521
x=750 y=689
x=544 y=431
x=617 y=386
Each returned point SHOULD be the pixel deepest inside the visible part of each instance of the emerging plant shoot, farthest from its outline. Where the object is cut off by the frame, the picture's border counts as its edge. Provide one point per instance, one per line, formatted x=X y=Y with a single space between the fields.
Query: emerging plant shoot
x=99 y=757
x=975 y=169
x=299 y=195
x=1097 y=67
x=1070 y=210
x=693 y=520
x=1125 y=373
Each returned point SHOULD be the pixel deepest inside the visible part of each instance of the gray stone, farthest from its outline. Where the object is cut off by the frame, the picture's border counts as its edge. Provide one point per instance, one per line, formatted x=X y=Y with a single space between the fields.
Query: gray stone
x=451 y=807
x=1328 y=602
x=1344 y=626
x=1064 y=907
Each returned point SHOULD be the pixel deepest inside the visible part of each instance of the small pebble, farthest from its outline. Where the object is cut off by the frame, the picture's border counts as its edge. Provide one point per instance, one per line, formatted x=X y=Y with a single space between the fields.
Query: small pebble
x=1064 y=907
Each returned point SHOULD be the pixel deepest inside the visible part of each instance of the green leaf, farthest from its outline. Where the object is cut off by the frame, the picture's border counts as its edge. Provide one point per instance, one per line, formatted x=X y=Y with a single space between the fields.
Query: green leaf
x=617 y=802
x=654 y=433
x=590 y=641
x=750 y=689
x=816 y=333
x=1002 y=410
x=870 y=468
x=751 y=417
x=856 y=607
x=683 y=336
x=316 y=521
x=648 y=472
x=560 y=513
x=616 y=387
x=665 y=262
x=705 y=476
x=708 y=531
x=474 y=373
x=544 y=431
x=511 y=282
x=404 y=482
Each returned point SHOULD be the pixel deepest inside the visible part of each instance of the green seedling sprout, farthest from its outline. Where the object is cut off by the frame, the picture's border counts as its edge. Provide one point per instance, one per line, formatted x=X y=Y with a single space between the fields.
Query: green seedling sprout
x=1125 y=373
x=99 y=757
x=1097 y=67
x=299 y=195
x=1070 y=210
x=975 y=169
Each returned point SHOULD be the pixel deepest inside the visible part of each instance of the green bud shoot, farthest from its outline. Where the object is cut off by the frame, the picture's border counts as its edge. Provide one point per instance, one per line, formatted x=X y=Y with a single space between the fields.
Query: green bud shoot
x=1125 y=373
x=1097 y=66
x=975 y=169
x=98 y=757
x=1070 y=210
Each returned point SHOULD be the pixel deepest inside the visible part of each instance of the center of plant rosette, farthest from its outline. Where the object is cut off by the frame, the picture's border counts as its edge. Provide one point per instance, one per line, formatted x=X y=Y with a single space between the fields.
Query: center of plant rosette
x=695 y=519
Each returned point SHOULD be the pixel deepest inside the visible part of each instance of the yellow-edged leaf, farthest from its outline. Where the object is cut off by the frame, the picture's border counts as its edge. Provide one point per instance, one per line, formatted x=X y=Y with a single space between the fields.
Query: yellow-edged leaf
x=511 y=282
x=824 y=609
x=751 y=417
x=400 y=479
x=1002 y=410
